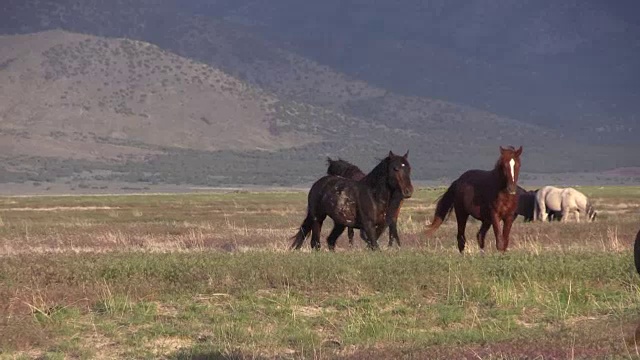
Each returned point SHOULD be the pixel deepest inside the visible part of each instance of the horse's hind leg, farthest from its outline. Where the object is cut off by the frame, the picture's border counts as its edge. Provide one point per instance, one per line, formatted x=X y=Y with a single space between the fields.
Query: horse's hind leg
x=506 y=230
x=482 y=233
x=316 y=227
x=461 y=217
x=338 y=229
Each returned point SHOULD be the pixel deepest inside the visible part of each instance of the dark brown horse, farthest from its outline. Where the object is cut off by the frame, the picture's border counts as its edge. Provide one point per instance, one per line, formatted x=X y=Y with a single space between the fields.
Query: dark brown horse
x=489 y=196
x=346 y=169
x=359 y=204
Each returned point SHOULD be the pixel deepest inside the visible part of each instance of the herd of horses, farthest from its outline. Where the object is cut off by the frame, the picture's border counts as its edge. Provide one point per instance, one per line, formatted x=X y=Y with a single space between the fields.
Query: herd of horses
x=372 y=202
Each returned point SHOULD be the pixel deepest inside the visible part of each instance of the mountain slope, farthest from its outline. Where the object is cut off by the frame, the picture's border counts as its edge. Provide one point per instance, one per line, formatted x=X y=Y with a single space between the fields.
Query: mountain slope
x=167 y=118
x=70 y=86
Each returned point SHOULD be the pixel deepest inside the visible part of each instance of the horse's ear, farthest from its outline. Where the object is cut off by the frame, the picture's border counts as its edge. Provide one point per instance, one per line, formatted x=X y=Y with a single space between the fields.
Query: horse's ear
x=519 y=151
x=391 y=153
x=501 y=149
x=406 y=155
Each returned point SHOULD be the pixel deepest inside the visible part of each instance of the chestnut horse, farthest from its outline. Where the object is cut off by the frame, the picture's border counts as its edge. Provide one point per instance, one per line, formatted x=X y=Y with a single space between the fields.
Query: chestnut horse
x=359 y=204
x=489 y=196
x=346 y=169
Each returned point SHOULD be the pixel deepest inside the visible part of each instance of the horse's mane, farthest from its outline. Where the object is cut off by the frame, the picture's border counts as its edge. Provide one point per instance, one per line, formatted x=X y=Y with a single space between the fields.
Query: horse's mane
x=378 y=176
x=344 y=168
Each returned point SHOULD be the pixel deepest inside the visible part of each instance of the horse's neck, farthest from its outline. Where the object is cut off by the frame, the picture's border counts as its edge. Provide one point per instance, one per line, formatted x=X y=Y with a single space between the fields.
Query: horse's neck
x=497 y=177
x=378 y=186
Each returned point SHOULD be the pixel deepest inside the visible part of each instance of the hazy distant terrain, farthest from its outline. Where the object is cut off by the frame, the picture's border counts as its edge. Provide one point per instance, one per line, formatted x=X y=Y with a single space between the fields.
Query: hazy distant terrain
x=215 y=93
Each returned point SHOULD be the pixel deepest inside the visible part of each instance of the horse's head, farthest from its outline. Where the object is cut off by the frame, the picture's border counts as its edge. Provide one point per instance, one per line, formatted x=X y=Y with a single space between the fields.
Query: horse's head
x=399 y=176
x=509 y=165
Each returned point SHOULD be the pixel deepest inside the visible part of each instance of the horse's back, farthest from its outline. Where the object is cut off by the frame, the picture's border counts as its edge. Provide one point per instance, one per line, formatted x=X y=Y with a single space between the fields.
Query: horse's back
x=333 y=184
x=337 y=197
x=474 y=191
x=576 y=197
x=551 y=196
x=474 y=176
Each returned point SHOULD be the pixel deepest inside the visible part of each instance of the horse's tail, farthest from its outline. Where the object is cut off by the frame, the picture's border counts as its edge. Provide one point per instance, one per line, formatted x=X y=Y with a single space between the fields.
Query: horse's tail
x=443 y=208
x=303 y=233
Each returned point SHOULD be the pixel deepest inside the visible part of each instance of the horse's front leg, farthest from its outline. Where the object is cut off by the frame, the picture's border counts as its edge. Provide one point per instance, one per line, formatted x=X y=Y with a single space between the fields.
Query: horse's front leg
x=506 y=230
x=393 y=234
x=380 y=229
x=391 y=217
x=371 y=232
x=497 y=231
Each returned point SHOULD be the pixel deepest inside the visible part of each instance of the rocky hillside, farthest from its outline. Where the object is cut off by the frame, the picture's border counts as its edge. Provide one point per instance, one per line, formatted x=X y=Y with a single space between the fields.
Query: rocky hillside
x=568 y=66
x=226 y=92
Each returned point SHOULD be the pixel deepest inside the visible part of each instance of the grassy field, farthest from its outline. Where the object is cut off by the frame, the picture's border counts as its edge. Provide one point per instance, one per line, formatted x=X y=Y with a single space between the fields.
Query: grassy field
x=209 y=276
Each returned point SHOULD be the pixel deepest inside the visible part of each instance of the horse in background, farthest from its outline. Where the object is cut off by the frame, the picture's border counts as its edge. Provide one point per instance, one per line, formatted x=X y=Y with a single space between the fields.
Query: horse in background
x=360 y=204
x=564 y=200
x=346 y=169
x=526 y=203
x=488 y=195
x=527 y=206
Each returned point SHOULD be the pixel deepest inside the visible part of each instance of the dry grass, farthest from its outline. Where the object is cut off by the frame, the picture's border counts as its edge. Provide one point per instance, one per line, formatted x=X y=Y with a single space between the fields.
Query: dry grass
x=197 y=275
x=230 y=222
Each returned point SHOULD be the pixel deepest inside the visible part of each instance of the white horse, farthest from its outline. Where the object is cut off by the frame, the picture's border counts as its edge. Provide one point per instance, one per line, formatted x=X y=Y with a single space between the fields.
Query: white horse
x=564 y=200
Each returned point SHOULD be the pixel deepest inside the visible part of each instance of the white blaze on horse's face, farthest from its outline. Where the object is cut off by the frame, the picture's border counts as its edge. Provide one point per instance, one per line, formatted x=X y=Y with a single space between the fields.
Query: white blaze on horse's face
x=512 y=164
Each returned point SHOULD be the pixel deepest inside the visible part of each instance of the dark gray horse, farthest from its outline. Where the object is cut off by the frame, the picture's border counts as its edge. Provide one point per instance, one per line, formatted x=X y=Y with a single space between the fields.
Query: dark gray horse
x=527 y=206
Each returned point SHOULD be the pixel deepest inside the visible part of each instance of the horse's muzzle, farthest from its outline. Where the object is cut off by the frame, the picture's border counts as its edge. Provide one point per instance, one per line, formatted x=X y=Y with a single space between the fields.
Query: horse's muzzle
x=407 y=193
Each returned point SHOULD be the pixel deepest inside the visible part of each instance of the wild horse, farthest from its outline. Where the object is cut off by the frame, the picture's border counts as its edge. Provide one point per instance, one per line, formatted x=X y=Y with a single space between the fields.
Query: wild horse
x=359 y=204
x=346 y=169
x=489 y=196
x=527 y=206
x=565 y=201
